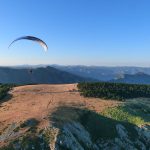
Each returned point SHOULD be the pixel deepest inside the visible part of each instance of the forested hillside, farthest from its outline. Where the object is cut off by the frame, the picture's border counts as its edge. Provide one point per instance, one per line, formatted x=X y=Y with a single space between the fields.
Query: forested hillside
x=119 y=91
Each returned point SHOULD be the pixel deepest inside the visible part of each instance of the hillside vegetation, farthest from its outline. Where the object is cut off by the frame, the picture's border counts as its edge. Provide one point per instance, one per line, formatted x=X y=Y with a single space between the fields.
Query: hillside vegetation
x=118 y=91
x=4 y=88
x=135 y=111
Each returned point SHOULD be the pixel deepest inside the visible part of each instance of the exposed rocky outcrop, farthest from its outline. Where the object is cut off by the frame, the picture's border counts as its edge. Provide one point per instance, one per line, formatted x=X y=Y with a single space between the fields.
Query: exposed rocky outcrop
x=74 y=136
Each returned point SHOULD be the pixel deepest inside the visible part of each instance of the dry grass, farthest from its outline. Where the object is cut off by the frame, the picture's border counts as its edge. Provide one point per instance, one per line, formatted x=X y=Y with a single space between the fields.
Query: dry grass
x=40 y=101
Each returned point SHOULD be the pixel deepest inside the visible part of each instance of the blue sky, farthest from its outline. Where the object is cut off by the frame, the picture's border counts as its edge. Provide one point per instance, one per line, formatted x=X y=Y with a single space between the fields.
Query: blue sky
x=77 y=32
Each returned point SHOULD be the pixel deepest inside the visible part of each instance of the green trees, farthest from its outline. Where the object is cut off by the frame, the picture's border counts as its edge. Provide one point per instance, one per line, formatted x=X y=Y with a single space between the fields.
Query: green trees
x=4 y=88
x=119 y=91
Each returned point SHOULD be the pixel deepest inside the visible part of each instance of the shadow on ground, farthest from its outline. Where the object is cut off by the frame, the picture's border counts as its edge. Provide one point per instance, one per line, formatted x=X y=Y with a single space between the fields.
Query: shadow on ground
x=99 y=126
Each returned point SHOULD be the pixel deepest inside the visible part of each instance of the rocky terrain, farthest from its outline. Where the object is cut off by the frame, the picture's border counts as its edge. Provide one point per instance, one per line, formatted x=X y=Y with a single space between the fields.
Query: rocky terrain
x=56 y=117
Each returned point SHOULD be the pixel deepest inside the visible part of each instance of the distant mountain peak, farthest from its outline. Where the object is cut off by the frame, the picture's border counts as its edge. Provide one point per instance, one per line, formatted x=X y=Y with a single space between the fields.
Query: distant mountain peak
x=137 y=78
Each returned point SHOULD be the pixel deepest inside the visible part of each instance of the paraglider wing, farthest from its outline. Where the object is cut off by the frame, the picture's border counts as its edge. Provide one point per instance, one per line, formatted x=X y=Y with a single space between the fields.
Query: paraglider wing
x=32 y=38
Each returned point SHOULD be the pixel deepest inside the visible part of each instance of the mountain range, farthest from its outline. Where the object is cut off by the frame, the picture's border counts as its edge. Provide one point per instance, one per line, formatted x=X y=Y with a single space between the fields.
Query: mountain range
x=102 y=73
x=73 y=74
x=38 y=76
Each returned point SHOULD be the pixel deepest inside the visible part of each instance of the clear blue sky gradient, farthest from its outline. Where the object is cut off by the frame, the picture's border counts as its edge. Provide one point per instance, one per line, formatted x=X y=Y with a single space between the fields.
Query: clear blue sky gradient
x=85 y=32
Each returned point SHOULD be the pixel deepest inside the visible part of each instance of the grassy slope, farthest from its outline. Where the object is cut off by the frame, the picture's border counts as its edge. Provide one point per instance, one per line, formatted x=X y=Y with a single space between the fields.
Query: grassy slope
x=135 y=111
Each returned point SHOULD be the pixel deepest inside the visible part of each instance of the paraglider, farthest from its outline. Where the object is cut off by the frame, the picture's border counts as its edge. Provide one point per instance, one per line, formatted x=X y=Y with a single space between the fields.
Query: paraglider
x=30 y=71
x=32 y=38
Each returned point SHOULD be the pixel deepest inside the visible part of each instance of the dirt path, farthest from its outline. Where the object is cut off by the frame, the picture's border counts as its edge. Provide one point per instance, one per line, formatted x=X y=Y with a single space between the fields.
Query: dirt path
x=50 y=102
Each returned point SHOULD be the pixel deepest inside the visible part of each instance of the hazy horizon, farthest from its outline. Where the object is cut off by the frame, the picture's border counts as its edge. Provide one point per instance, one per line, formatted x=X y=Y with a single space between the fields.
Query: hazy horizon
x=43 y=65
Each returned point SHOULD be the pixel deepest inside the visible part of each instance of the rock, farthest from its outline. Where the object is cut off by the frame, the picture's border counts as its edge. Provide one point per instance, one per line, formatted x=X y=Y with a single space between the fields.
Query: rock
x=75 y=137
x=121 y=131
x=144 y=134
x=140 y=144
x=9 y=132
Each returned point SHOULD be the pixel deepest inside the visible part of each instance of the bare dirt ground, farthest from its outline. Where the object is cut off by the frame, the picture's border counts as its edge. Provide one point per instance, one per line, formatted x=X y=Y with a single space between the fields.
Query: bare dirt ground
x=38 y=101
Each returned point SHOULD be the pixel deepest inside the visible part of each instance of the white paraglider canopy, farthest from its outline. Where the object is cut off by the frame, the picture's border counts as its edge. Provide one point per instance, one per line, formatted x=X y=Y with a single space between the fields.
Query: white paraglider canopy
x=32 y=38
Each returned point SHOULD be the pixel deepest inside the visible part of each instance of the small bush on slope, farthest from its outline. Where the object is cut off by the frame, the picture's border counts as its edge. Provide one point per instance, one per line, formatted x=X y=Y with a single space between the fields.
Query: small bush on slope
x=4 y=88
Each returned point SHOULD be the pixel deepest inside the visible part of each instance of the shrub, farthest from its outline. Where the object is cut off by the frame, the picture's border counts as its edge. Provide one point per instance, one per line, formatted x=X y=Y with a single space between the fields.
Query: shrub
x=4 y=88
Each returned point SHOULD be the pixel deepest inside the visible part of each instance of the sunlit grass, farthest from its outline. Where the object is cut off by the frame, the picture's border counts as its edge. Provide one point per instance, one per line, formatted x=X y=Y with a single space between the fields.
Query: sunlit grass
x=135 y=111
x=120 y=114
